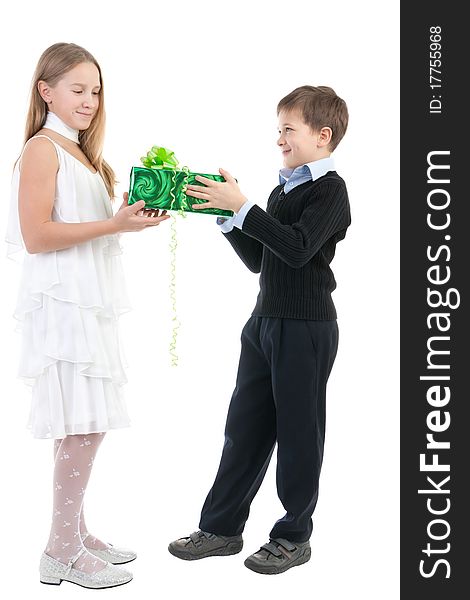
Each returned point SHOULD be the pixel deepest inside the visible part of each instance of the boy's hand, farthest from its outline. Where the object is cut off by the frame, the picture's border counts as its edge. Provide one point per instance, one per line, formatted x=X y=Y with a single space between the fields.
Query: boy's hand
x=218 y=194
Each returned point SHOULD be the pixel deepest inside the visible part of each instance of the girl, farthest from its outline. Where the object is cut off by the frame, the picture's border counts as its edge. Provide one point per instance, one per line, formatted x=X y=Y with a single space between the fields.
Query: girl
x=71 y=295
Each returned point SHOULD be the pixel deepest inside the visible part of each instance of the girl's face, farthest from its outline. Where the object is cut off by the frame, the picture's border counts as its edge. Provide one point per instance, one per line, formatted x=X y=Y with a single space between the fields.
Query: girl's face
x=75 y=98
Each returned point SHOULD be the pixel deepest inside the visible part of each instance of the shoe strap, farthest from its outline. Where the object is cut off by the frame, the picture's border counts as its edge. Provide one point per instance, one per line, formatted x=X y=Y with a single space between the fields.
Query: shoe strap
x=272 y=549
x=279 y=547
x=74 y=559
x=196 y=536
x=289 y=546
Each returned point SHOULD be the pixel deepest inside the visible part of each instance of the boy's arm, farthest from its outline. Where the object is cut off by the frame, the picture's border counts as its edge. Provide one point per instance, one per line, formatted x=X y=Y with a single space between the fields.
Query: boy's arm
x=296 y=244
x=249 y=249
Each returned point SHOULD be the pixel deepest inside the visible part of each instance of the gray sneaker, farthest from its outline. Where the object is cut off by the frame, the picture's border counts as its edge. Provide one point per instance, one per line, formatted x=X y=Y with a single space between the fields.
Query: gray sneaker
x=279 y=555
x=201 y=544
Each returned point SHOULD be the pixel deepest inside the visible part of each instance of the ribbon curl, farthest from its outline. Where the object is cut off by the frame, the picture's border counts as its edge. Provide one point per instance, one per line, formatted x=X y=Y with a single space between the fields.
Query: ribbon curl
x=159 y=157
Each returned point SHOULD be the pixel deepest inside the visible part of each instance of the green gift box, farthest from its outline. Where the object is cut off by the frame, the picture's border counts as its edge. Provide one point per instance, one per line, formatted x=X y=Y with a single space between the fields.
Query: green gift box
x=164 y=189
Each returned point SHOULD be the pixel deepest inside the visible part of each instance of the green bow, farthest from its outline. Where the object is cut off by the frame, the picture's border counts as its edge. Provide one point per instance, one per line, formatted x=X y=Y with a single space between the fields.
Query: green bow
x=159 y=157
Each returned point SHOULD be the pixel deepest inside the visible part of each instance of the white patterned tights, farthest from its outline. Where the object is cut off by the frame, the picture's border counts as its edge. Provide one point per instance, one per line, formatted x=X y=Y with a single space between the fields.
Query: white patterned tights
x=74 y=456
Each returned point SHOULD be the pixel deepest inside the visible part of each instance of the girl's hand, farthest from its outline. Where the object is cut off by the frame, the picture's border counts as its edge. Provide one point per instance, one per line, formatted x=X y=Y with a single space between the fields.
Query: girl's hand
x=218 y=194
x=135 y=218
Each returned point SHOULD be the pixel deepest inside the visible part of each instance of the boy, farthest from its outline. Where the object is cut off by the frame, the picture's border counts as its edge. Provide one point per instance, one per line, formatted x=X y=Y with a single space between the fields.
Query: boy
x=290 y=341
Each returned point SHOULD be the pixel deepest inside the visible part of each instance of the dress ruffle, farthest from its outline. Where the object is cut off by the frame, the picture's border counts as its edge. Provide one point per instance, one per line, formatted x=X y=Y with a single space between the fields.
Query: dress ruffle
x=68 y=306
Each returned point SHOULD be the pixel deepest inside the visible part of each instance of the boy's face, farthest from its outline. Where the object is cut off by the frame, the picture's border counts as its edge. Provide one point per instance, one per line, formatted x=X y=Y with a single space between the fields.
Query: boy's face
x=298 y=143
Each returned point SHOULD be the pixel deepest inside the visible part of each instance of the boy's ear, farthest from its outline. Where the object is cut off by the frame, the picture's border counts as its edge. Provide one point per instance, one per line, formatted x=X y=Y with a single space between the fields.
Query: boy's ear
x=324 y=137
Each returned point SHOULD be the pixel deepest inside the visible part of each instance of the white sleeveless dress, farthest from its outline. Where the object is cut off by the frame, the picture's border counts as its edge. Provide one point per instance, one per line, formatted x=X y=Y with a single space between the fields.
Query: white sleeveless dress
x=68 y=306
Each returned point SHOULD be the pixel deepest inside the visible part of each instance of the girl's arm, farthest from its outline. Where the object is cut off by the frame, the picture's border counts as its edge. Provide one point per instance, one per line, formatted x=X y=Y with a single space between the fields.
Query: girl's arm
x=39 y=166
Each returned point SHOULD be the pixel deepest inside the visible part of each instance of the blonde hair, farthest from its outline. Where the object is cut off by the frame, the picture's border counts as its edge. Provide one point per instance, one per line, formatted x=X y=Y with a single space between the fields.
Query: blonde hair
x=54 y=62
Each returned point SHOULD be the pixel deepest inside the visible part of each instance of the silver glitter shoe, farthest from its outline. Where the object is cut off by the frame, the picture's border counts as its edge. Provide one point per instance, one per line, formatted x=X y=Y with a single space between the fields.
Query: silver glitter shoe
x=113 y=555
x=53 y=572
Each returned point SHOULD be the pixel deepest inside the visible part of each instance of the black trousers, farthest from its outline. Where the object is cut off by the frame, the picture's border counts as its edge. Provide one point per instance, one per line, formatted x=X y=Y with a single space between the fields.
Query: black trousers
x=279 y=397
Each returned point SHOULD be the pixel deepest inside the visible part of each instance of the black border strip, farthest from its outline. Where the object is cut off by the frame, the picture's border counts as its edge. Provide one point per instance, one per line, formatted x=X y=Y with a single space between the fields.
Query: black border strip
x=435 y=271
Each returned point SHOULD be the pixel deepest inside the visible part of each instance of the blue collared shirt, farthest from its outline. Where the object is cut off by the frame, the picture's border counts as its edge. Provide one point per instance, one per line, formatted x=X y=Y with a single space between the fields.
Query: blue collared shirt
x=291 y=178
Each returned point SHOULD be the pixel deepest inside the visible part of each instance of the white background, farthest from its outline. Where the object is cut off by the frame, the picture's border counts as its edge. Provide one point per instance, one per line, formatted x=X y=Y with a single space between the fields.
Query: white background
x=204 y=78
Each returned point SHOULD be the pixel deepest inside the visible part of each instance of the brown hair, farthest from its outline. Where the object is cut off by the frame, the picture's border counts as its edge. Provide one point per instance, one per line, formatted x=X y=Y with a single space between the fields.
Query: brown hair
x=319 y=107
x=54 y=62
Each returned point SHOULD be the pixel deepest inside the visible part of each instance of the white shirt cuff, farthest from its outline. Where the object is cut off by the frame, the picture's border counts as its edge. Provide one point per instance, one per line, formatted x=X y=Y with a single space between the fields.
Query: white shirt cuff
x=238 y=219
x=225 y=223
x=241 y=214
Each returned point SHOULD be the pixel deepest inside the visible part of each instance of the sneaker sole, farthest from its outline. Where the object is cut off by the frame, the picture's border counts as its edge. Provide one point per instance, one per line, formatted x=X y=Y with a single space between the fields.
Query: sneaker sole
x=228 y=550
x=273 y=570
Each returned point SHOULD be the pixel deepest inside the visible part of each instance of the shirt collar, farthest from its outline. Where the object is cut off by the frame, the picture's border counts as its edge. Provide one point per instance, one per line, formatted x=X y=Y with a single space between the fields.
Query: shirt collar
x=317 y=169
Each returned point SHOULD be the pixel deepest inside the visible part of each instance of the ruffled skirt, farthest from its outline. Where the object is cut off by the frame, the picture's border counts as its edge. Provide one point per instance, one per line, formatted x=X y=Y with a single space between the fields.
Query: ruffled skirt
x=68 y=309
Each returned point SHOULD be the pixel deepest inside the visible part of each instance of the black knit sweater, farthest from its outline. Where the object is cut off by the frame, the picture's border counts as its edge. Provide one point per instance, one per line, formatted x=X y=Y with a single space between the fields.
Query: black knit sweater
x=292 y=244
